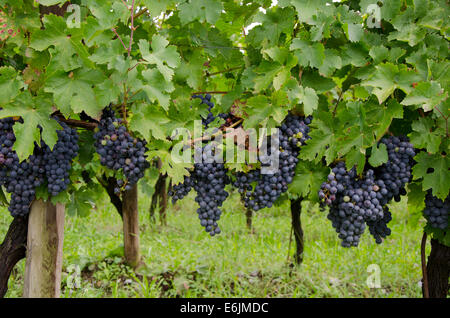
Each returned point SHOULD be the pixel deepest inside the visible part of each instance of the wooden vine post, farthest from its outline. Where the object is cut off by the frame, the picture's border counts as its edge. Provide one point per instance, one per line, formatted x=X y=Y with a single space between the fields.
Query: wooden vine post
x=44 y=250
x=131 y=227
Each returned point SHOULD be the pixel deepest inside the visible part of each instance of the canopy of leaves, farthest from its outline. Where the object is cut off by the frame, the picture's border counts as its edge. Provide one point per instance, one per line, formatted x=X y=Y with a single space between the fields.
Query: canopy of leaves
x=359 y=74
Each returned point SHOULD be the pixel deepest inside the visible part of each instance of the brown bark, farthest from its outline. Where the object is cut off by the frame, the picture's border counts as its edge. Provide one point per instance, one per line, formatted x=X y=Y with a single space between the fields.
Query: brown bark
x=108 y=183
x=55 y=9
x=44 y=250
x=114 y=198
x=159 y=198
x=248 y=216
x=438 y=270
x=12 y=250
x=131 y=227
x=296 y=209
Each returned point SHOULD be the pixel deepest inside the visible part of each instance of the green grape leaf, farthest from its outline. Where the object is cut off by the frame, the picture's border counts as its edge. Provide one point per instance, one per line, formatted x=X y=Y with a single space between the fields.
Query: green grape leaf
x=426 y=94
x=155 y=7
x=387 y=78
x=149 y=121
x=416 y=198
x=423 y=135
x=67 y=41
x=202 y=10
x=74 y=91
x=308 y=54
x=175 y=170
x=10 y=84
x=435 y=171
x=157 y=88
x=163 y=55
x=307 y=180
x=27 y=133
x=353 y=31
x=379 y=155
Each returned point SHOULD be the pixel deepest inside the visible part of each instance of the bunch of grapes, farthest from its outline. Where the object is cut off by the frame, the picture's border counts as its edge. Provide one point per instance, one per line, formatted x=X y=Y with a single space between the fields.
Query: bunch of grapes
x=396 y=172
x=355 y=202
x=179 y=191
x=271 y=184
x=58 y=161
x=352 y=201
x=208 y=179
x=22 y=178
x=378 y=229
x=19 y=178
x=119 y=151
x=436 y=211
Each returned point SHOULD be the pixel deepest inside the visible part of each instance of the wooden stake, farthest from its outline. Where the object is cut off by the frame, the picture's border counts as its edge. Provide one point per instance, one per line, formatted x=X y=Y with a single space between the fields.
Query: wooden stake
x=44 y=250
x=131 y=227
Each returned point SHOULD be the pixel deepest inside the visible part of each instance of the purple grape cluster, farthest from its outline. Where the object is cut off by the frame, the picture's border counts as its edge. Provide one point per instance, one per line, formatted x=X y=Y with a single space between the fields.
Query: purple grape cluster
x=260 y=190
x=58 y=161
x=436 y=211
x=352 y=201
x=22 y=178
x=208 y=179
x=396 y=172
x=120 y=151
x=359 y=201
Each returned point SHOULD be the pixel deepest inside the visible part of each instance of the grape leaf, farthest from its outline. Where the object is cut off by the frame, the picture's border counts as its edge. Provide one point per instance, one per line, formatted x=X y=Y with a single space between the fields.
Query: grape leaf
x=28 y=132
x=423 y=135
x=426 y=94
x=379 y=155
x=156 y=87
x=67 y=41
x=307 y=180
x=353 y=31
x=74 y=91
x=149 y=121
x=435 y=171
x=388 y=77
x=10 y=84
x=165 y=57
x=202 y=10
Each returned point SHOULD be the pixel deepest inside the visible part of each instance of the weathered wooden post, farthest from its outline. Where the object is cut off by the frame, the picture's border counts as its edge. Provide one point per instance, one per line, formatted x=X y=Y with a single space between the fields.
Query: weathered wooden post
x=44 y=250
x=131 y=227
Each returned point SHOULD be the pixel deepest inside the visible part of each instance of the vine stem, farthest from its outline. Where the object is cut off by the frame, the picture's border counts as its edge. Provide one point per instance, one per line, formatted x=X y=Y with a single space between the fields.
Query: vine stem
x=78 y=123
x=224 y=71
x=120 y=39
x=445 y=118
x=212 y=92
x=126 y=5
x=140 y=13
x=424 y=266
x=337 y=103
x=132 y=29
x=193 y=141
x=125 y=101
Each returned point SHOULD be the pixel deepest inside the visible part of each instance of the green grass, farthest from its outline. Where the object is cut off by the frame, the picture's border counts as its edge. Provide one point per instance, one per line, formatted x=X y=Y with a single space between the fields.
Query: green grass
x=181 y=260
